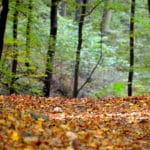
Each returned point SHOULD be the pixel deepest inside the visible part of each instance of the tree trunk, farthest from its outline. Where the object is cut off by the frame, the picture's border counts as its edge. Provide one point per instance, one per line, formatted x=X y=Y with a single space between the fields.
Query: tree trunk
x=131 y=71
x=106 y=18
x=3 y=18
x=148 y=3
x=28 y=32
x=15 y=47
x=63 y=8
x=51 y=50
x=80 y=30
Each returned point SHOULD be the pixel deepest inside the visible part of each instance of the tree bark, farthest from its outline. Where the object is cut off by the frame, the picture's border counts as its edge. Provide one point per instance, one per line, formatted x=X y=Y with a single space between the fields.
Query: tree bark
x=148 y=3
x=15 y=47
x=3 y=19
x=131 y=70
x=28 y=32
x=77 y=64
x=51 y=50
x=106 y=18
x=63 y=8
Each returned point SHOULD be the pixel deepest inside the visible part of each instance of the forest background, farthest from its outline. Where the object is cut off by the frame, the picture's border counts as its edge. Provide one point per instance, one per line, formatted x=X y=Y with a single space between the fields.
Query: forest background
x=76 y=48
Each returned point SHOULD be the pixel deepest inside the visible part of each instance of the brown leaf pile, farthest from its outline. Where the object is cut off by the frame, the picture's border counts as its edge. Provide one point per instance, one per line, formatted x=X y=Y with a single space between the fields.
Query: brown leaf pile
x=37 y=123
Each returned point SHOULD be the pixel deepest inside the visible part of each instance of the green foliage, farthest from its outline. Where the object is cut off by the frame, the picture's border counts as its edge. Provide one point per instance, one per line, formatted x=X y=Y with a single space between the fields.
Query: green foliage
x=118 y=88
x=114 y=89
x=115 y=48
x=27 y=78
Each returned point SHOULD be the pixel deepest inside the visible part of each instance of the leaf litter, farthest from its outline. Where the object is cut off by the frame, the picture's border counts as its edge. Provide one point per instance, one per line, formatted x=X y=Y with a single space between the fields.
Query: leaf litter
x=38 y=123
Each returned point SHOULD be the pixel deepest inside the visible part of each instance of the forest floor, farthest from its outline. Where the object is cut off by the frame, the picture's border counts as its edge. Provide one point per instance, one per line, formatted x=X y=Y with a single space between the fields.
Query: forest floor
x=38 y=123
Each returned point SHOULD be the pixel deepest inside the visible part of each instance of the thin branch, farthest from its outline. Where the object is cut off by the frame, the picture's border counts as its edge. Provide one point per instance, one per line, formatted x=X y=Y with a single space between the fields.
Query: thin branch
x=95 y=67
x=93 y=70
x=93 y=8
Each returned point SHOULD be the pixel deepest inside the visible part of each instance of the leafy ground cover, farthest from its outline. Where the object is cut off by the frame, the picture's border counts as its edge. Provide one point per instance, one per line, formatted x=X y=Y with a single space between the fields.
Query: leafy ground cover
x=38 y=123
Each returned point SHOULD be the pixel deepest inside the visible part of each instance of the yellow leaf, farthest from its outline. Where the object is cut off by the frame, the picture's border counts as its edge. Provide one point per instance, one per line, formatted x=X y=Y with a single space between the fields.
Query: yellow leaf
x=26 y=148
x=139 y=132
x=31 y=139
x=42 y=106
x=2 y=121
x=108 y=104
x=69 y=148
x=10 y=117
x=93 y=144
x=110 y=147
x=65 y=127
x=15 y=136
x=40 y=120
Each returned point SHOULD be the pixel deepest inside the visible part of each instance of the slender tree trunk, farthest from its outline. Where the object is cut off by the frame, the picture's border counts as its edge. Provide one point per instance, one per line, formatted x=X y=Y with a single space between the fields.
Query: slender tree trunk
x=15 y=47
x=63 y=8
x=131 y=71
x=51 y=50
x=148 y=3
x=80 y=30
x=28 y=32
x=78 y=9
x=3 y=18
x=106 y=18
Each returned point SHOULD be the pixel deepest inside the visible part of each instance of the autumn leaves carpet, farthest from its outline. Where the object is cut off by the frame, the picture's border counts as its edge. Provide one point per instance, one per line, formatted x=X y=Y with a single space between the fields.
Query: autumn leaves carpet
x=37 y=123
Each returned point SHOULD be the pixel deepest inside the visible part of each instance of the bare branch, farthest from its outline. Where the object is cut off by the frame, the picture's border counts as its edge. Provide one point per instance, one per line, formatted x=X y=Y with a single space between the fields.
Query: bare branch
x=95 y=67
x=93 y=8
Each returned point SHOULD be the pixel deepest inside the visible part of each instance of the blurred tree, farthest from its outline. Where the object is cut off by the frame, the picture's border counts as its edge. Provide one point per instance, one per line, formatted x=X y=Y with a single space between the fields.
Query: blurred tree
x=3 y=18
x=15 y=46
x=106 y=18
x=131 y=69
x=77 y=63
x=148 y=3
x=28 y=31
x=52 y=47
x=63 y=8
